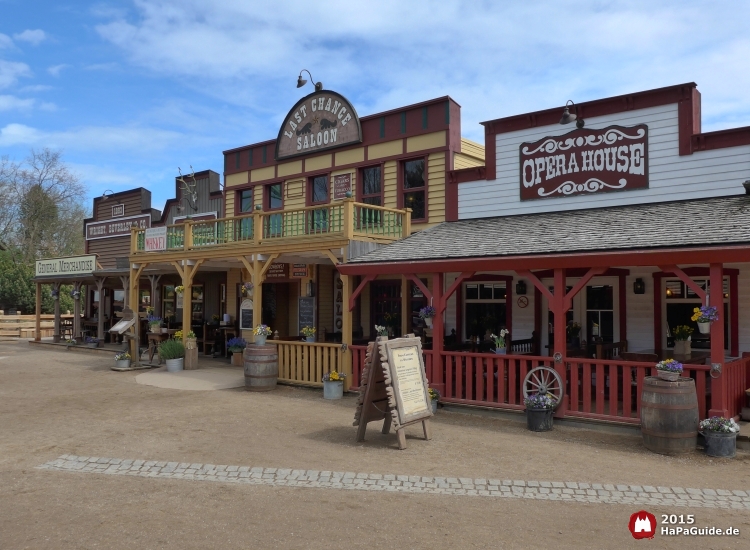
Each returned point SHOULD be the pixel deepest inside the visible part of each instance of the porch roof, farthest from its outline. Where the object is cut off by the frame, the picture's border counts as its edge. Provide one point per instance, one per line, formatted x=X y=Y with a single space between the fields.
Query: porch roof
x=719 y=221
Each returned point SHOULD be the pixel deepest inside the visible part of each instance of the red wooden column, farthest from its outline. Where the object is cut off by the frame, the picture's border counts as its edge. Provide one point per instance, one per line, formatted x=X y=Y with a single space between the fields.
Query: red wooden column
x=560 y=345
x=438 y=302
x=718 y=385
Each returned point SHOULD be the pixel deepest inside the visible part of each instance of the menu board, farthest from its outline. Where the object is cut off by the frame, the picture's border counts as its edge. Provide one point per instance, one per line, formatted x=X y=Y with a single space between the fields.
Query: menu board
x=246 y=315
x=277 y=270
x=409 y=380
x=306 y=312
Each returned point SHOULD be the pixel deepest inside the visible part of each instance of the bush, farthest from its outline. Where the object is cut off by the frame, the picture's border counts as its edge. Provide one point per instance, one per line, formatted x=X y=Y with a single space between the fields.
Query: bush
x=171 y=349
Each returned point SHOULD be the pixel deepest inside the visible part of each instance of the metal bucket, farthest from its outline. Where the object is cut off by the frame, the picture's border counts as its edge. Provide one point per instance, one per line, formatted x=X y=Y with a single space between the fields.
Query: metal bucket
x=261 y=368
x=539 y=420
x=669 y=415
x=720 y=444
x=333 y=389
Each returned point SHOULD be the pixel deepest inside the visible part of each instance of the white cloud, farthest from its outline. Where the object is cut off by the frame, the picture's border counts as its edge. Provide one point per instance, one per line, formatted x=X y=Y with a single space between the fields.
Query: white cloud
x=11 y=71
x=33 y=37
x=56 y=69
x=101 y=67
x=495 y=58
x=13 y=103
x=36 y=88
x=5 y=41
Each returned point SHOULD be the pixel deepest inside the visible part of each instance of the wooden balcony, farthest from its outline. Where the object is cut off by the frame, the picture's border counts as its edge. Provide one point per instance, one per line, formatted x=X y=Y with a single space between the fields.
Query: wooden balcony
x=309 y=228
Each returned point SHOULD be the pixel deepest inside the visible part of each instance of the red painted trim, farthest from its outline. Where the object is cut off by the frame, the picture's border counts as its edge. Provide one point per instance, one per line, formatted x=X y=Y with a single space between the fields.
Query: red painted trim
x=537 y=283
x=490 y=150
x=309 y=189
x=687 y=280
x=416 y=280
x=568 y=300
x=623 y=309
x=267 y=196
x=451 y=201
x=733 y=137
x=657 y=310
x=353 y=297
x=689 y=121
x=485 y=277
x=640 y=257
x=438 y=332
x=238 y=198
x=451 y=289
x=538 y=319
x=400 y=179
x=582 y=271
x=558 y=309
x=467 y=174
x=719 y=401
x=734 y=315
x=590 y=109
x=360 y=183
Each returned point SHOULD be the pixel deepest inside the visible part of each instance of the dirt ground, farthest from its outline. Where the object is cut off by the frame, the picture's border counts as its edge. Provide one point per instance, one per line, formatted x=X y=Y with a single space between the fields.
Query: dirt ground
x=54 y=403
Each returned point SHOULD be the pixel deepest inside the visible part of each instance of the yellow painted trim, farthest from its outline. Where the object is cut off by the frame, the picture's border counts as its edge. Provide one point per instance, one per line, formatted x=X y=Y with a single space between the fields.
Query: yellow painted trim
x=260 y=174
x=387 y=149
x=426 y=141
x=289 y=168
x=318 y=163
x=236 y=179
x=332 y=257
x=350 y=157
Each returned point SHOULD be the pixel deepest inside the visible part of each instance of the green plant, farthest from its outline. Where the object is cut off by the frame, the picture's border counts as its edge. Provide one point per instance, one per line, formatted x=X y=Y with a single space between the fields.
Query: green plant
x=434 y=394
x=308 y=332
x=171 y=349
x=124 y=356
x=682 y=332
x=264 y=330
x=381 y=330
x=333 y=376
x=500 y=340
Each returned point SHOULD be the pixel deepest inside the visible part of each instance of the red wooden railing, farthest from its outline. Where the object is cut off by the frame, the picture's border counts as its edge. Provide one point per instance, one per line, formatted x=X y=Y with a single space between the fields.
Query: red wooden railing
x=604 y=389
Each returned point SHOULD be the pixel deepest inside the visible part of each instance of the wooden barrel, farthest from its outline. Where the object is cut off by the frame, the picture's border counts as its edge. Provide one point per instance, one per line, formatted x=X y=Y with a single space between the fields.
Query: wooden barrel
x=669 y=415
x=261 y=367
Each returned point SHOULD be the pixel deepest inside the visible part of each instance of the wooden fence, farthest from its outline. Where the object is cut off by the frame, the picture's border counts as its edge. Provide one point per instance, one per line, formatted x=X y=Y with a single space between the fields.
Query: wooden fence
x=24 y=326
x=306 y=363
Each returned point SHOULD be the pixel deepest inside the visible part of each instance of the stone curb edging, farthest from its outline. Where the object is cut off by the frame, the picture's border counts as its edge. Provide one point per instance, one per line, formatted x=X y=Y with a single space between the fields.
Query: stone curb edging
x=540 y=490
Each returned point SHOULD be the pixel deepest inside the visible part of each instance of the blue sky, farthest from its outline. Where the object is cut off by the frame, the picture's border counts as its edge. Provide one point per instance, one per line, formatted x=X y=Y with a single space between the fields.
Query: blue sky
x=132 y=90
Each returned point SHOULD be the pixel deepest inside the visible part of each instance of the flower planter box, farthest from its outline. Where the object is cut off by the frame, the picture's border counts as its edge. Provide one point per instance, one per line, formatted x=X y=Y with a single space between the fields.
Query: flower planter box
x=175 y=365
x=539 y=420
x=333 y=389
x=122 y=364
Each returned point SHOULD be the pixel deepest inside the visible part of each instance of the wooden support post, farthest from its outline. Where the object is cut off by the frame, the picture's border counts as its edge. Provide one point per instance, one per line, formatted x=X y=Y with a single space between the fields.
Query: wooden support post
x=155 y=294
x=435 y=376
x=719 y=403
x=187 y=294
x=56 y=336
x=257 y=229
x=188 y=240
x=560 y=345
x=405 y=306
x=100 y=313
x=406 y=227
x=77 y=311
x=257 y=292
x=131 y=295
x=38 y=332
x=348 y=218
x=346 y=330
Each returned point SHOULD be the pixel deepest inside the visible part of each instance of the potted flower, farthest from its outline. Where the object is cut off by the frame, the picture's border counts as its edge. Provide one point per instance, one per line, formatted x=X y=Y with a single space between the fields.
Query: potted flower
x=149 y=310
x=391 y=321
x=539 y=407
x=308 y=333
x=427 y=313
x=574 y=334
x=91 y=342
x=191 y=341
x=173 y=352
x=381 y=331
x=704 y=316
x=333 y=385
x=682 y=337
x=721 y=436
x=179 y=289
x=75 y=294
x=669 y=369
x=246 y=289
x=261 y=332
x=154 y=323
x=500 y=341
x=236 y=346
x=55 y=294
x=215 y=319
x=434 y=396
x=122 y=360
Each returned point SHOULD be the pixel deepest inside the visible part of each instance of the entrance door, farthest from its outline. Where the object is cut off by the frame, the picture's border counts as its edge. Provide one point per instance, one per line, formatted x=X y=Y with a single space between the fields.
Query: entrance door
x=385 y=305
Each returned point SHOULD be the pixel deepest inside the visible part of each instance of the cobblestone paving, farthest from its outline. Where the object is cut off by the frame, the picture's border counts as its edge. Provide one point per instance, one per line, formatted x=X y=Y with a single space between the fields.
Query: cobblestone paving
x=492 y=488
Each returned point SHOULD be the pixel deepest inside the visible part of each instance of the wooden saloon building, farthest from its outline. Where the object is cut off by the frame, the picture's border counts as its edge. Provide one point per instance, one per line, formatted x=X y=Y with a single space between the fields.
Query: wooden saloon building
x=621 y=224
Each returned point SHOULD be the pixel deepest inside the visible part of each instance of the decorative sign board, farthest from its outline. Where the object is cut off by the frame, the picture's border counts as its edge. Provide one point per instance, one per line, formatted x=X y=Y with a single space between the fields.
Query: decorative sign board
x=118 y=210
x=394 y=388
x=246 y=315
x=306 y=313
x=320 y=121
x=156 y=239
x=338 y=302
x=72 y=265
x=585 y=161
x=277 y=271
x=342 y=184
x=116 y=228
x=299 y=271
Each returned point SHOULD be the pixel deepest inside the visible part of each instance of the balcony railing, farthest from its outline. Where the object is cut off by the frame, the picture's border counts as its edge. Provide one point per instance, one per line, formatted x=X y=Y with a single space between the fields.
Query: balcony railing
x=346 y=219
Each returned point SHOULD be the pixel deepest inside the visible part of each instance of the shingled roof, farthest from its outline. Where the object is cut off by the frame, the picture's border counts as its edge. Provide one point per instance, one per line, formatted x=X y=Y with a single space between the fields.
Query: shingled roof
x=686 y=223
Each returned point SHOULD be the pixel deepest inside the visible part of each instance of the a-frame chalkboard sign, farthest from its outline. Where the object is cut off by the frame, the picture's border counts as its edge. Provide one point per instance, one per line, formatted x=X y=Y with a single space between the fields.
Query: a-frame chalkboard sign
x=394 y=388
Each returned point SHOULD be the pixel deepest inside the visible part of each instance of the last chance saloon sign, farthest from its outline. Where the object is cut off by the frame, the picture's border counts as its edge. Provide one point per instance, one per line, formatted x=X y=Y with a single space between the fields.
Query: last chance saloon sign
x=585 y=162
x=322 y=120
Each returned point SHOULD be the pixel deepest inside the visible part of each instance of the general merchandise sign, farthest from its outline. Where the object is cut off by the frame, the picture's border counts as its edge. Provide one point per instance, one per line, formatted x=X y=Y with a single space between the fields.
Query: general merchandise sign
x=585 y=161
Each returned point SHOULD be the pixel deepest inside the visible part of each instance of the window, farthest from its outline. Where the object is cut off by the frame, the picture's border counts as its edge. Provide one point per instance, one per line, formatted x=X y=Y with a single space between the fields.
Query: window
x=385 y=300
x=245 y=202
x=680 y=302
x=414 y=188
x=319 y=188
x=275 y=201
x=600 y=312
x=485 y=308
x=371 y=186
x=275 y=197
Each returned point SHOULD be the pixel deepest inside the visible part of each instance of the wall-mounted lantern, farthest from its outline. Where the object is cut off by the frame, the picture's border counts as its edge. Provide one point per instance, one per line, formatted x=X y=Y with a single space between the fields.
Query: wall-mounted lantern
x=639 y=287
x=521 y=287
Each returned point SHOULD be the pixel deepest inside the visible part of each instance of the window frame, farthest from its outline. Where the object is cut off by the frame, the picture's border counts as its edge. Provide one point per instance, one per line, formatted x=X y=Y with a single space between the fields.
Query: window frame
x=238 y=200
x=361 y=196
x=311 y=186
x=402 y=191
x=267 y=196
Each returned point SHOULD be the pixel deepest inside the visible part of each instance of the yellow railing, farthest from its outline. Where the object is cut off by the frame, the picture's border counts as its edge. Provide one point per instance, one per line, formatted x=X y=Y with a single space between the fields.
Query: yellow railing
x=347 y=219
x=306 y=363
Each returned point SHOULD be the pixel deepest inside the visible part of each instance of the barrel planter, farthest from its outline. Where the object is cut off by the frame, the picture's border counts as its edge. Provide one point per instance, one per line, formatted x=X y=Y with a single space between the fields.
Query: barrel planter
x=539 y=420
x=261 y=368
x=720 y=444
x=669 y=415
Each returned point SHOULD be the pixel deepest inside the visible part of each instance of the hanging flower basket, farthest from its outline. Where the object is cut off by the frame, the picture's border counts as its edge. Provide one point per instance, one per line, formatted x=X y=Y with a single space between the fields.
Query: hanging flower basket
x=704 y=316
x=669 y=370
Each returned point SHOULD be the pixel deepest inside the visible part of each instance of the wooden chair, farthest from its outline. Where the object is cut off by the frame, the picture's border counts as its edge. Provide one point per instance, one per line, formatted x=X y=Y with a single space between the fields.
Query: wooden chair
x=209 y=338
x=609 y=351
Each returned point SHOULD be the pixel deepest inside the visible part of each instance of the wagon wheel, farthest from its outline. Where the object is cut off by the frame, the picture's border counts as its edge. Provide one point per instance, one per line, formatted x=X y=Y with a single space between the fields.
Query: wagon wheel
x=544 y=380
